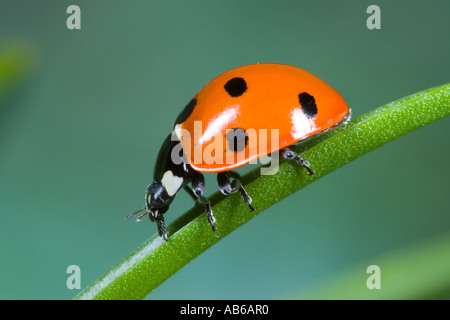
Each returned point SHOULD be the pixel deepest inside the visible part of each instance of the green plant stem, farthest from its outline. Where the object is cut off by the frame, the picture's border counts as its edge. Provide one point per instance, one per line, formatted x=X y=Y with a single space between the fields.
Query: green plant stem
x=156 y=260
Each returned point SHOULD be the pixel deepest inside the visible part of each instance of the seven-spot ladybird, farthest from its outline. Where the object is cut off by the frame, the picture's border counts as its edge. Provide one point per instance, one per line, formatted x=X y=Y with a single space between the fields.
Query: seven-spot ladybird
x=228 y=124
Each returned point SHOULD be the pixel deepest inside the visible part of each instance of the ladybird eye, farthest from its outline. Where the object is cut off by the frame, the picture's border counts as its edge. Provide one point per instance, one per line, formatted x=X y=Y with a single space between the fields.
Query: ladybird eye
x=308 y=104
x=236 y=87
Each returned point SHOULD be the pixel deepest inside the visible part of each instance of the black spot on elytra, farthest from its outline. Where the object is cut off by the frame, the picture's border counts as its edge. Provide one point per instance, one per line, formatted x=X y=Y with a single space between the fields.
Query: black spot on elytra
x=186 y=112
x=236 y=87
x=237 y=139
x=308 y=104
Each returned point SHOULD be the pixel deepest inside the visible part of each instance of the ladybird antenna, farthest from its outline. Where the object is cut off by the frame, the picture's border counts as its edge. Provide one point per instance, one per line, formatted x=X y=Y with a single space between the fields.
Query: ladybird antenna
x=128 y=217
x=143 y=215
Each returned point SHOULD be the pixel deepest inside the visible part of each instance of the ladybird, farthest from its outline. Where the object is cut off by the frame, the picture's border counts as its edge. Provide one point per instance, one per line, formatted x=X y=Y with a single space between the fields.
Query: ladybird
x=226 y=124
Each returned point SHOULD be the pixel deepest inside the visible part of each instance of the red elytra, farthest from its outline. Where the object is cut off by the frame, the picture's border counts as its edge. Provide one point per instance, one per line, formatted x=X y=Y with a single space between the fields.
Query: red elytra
x=257 y=99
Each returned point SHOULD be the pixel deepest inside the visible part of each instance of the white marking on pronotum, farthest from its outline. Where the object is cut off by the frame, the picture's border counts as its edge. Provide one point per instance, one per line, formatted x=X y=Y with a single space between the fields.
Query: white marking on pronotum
x=171 y=183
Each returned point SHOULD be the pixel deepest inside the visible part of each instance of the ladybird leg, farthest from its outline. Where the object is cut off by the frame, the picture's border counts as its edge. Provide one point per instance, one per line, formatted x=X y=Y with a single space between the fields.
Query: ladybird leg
x=198 y=188
x=162 y=227
x=288 y=154
x=159 y=218
x=227 y=187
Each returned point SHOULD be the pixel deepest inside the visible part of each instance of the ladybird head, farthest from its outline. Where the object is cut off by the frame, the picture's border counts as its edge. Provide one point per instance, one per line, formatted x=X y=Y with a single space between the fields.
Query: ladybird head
x=169 y=177
x=156 y=196
x=157 y=201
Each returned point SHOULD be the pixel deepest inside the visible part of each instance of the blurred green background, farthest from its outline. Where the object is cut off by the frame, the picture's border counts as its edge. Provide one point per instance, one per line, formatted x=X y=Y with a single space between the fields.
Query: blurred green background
x=80 y=134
